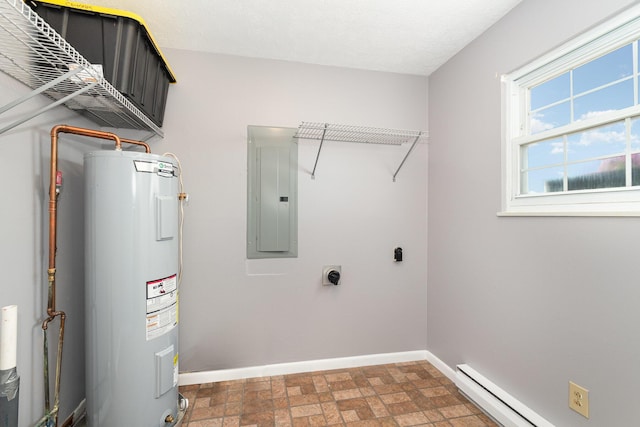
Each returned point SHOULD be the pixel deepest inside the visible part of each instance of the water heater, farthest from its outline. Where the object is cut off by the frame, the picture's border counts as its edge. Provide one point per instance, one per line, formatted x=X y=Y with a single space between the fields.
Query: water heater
x=131 y=228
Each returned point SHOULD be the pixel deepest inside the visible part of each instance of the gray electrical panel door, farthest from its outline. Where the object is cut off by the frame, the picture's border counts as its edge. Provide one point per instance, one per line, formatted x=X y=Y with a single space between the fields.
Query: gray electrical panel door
x=272 y=193
x=273 y=212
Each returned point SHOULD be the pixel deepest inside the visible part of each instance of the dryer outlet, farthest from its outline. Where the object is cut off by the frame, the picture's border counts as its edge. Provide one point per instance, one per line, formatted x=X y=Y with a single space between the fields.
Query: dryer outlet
x=331 y=275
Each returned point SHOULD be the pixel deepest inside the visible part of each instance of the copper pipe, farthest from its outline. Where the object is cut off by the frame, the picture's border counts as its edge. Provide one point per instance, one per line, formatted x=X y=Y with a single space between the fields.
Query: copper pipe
x=56 y=403
x=53 y=196
x=45 y=358
x=147 y=149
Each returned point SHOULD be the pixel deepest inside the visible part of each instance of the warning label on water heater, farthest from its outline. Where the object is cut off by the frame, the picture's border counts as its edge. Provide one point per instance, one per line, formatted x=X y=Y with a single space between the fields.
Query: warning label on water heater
x=162 y=306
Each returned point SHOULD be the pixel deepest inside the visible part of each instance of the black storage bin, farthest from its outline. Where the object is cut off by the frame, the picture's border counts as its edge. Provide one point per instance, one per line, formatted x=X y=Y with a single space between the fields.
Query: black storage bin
x=120 y=42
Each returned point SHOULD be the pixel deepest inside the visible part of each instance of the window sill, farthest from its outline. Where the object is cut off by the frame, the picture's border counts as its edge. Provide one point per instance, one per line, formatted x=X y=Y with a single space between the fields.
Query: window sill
x=567 y=214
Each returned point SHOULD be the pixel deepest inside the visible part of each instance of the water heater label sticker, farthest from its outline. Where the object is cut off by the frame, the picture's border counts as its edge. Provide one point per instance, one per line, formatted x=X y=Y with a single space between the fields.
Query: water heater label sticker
x=162 y=306
x=163 y=169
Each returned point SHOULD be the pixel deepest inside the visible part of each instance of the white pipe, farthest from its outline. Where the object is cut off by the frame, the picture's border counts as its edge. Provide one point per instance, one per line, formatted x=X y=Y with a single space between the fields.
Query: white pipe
x=9 y=337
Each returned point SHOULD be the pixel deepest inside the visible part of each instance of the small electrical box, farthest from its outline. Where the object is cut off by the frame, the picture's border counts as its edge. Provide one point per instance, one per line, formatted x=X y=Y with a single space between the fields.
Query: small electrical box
x=397 y=254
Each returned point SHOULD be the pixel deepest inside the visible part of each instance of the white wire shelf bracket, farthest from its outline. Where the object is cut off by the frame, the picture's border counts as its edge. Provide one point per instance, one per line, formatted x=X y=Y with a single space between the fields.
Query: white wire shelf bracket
x=36 y=55
x=361 y=134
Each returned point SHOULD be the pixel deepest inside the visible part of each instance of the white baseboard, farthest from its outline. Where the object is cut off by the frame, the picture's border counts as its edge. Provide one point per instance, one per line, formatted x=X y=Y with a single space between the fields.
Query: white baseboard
x=188 y=378
x=80 y=412
x=441 y=366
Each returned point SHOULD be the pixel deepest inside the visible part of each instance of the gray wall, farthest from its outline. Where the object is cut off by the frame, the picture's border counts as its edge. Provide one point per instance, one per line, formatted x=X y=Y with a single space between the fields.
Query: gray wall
x=531 y=303
x=234 y=312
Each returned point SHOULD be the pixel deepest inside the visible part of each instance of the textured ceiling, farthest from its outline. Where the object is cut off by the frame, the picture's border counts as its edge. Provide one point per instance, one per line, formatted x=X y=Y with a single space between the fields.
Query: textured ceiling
x=402 y=36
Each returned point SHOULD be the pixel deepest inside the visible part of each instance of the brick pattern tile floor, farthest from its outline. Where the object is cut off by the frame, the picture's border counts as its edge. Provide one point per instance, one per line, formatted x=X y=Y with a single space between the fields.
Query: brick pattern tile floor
x=400 y=394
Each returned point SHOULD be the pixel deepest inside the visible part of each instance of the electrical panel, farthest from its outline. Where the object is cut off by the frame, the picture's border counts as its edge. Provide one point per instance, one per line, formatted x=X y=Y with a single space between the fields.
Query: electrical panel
x=272 y=193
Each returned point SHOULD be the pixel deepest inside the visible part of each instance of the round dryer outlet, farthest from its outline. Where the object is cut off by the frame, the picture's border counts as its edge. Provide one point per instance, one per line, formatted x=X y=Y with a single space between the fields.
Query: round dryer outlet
x=331 y=275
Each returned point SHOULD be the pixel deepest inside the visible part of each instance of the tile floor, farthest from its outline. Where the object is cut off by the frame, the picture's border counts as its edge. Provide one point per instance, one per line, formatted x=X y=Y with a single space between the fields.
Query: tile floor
x=400 y=394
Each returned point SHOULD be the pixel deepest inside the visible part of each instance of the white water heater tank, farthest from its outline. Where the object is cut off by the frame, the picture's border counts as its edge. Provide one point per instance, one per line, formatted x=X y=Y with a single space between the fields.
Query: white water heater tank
x=131 y=228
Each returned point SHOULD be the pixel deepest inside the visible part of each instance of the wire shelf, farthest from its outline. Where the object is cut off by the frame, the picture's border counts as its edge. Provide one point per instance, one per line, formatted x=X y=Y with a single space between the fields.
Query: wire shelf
x=361 y=134
x=35 y=54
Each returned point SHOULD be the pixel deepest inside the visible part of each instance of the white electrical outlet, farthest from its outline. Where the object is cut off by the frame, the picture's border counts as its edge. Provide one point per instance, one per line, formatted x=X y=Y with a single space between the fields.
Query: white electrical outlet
x=327 y=270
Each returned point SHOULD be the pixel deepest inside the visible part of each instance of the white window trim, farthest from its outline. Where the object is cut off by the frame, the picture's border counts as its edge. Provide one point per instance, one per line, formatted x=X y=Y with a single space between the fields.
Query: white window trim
x=616 y=32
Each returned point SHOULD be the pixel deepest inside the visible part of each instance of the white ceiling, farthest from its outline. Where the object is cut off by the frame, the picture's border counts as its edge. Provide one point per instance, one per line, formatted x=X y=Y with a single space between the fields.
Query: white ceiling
x=402 y=36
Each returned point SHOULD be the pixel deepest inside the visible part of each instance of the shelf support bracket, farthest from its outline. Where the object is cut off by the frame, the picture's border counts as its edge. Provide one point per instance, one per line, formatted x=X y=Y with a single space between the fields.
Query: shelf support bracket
x=39 y=90
x=324 y=131
x=406 y=155
x=28 y=117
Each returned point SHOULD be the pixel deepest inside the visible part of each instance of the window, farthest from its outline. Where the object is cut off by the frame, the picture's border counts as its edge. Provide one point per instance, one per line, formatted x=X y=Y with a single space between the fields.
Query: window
x=572 y=126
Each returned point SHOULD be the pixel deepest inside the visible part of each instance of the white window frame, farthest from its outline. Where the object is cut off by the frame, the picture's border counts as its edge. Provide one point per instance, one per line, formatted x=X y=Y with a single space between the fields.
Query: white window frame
x=617 y=32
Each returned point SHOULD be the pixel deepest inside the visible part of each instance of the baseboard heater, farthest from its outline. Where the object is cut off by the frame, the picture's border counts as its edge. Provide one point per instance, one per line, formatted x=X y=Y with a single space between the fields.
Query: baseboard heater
x=500 y=405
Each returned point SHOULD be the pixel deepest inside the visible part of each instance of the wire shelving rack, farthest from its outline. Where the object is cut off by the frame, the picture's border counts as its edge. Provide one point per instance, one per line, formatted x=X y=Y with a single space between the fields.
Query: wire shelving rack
x=36 y=55
x=360 y=134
